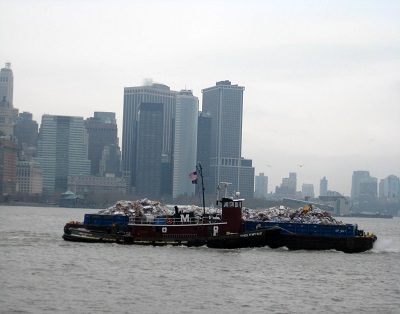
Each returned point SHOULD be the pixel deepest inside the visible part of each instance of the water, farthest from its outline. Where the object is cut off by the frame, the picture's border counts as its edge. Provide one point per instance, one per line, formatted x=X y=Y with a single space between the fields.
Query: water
x=42 y=273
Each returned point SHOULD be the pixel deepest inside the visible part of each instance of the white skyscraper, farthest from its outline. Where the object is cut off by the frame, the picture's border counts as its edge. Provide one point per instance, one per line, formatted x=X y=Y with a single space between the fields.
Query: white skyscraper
x=185 y=143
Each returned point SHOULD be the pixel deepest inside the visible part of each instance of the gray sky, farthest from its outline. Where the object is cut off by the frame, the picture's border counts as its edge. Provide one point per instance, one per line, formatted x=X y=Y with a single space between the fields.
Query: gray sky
x=322 y=78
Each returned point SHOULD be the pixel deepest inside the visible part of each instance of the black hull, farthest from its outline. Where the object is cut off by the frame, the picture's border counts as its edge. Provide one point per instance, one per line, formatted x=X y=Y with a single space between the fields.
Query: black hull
x=258 y=238
x=312 y=242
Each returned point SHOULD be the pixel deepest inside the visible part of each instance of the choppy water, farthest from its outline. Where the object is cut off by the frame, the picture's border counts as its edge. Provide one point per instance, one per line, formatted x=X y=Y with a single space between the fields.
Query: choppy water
x=42 y=273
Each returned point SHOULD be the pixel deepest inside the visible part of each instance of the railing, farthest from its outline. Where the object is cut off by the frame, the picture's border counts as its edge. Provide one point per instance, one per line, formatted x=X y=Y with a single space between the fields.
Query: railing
x=183 y=220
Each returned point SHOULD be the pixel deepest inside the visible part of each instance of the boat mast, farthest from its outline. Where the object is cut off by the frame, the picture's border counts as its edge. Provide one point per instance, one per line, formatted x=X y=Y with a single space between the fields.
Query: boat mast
x=200 y=170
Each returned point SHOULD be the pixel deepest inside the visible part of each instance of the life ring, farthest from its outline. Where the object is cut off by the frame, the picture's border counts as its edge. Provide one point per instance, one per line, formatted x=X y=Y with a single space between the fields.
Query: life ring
x=169 y=221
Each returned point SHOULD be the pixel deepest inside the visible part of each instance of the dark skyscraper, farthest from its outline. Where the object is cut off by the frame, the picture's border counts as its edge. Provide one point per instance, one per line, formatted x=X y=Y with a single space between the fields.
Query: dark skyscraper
x=133 y=98
x=26 y=131
x=100 y=134
x=149 y=147
x=224 y=103
x=203 y=149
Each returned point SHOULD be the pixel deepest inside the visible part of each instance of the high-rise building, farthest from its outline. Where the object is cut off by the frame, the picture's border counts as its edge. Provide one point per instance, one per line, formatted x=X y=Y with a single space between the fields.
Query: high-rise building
x=6 y=100
x=110 y=162
x=261 y=186
x=133 y=98
x=203 y=148
x=102 y=131
x=224 y=103
x=149 y=148
x=307 y=190
x=105 y=117
x=185 y=143
x=62 y=151
x=323 y=187
x=288 y=185
x=8 y=166
x=389 y=189
x=26 y=131
x=357 y=178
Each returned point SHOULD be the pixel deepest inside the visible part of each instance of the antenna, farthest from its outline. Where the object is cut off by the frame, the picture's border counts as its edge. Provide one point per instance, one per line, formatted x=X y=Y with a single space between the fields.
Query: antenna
x=225 y=184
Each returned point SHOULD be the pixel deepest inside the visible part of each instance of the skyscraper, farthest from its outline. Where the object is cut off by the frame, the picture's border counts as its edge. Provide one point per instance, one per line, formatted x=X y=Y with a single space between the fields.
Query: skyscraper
x=102 y=131
x=26 y=131
x=62 y=151
x=323 y=187
x=149 y=147
x=6 y=100
x=261 y=186
x=203 y=148
x=185 y=143
x=133 y=97
x=224 y=103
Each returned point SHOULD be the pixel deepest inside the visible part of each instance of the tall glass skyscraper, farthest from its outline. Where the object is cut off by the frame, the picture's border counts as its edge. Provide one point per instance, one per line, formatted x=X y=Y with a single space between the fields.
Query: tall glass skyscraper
x=224 y=103
x=133 y=97
x=62 y=151
x=6 y=100
x=149 y=138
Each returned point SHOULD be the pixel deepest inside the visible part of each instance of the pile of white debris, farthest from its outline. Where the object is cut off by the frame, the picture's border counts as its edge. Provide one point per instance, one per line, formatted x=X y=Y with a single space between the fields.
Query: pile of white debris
x=146 y=207
x=306 y=215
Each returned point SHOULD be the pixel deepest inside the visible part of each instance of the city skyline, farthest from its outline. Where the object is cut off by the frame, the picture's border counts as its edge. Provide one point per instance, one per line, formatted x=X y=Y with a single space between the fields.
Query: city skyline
x=321 y=80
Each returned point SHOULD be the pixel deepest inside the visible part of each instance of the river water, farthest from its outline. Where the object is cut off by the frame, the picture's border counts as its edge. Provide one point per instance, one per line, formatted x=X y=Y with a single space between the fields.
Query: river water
x=42 y=273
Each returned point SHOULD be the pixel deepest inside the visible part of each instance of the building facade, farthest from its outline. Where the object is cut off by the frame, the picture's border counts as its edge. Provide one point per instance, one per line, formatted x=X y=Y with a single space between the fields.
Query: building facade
x=224 y=103
x=261 y=186
x=62 y=151
x=29 y=178
x=102 y=131
x=26 y=131
x=323 y=187
x=185 y=143
x=307 y=190
x=8 y=166
x=133 y=98
x=6 y=101
x=150 y=149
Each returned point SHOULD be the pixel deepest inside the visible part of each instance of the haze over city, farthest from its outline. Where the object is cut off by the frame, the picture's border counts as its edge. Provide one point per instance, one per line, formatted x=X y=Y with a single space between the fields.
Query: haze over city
x=321 y=78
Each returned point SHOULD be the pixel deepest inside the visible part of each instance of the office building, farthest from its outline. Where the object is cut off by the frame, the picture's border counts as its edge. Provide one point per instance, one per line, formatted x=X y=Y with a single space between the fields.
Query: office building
x=185 y=143
x=62 y=151
x=6 y=101
x=26 y=131
x=102 y=131
x=8 y=166
x=150 y=148
x=288 y=185
x=224 y=103
x=307 y=190
x=110 y=162
x=389 y=189
x=323 y=187
x=261 y=186
x=29 y=178
x=203 y=149
x=133 y=98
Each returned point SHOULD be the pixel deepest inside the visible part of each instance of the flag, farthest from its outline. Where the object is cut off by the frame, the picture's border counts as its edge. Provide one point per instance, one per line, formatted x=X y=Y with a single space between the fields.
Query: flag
x=193 y=175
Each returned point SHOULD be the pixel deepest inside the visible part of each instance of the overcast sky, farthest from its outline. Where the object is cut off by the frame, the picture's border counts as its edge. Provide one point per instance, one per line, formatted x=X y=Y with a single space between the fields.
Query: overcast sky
x=321 y=78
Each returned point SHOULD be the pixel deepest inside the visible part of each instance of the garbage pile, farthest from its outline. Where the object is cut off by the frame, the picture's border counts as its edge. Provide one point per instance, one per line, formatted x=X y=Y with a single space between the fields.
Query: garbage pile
x=306 y=215
x=152 y=209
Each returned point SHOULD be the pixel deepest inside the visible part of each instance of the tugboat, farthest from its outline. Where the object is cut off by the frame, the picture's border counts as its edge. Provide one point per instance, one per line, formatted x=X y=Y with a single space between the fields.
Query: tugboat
x=223 y=231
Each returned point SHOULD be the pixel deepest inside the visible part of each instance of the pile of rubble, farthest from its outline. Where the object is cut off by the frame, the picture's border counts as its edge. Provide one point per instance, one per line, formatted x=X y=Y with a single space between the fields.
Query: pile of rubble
x=149 y=208
x=306 y=215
